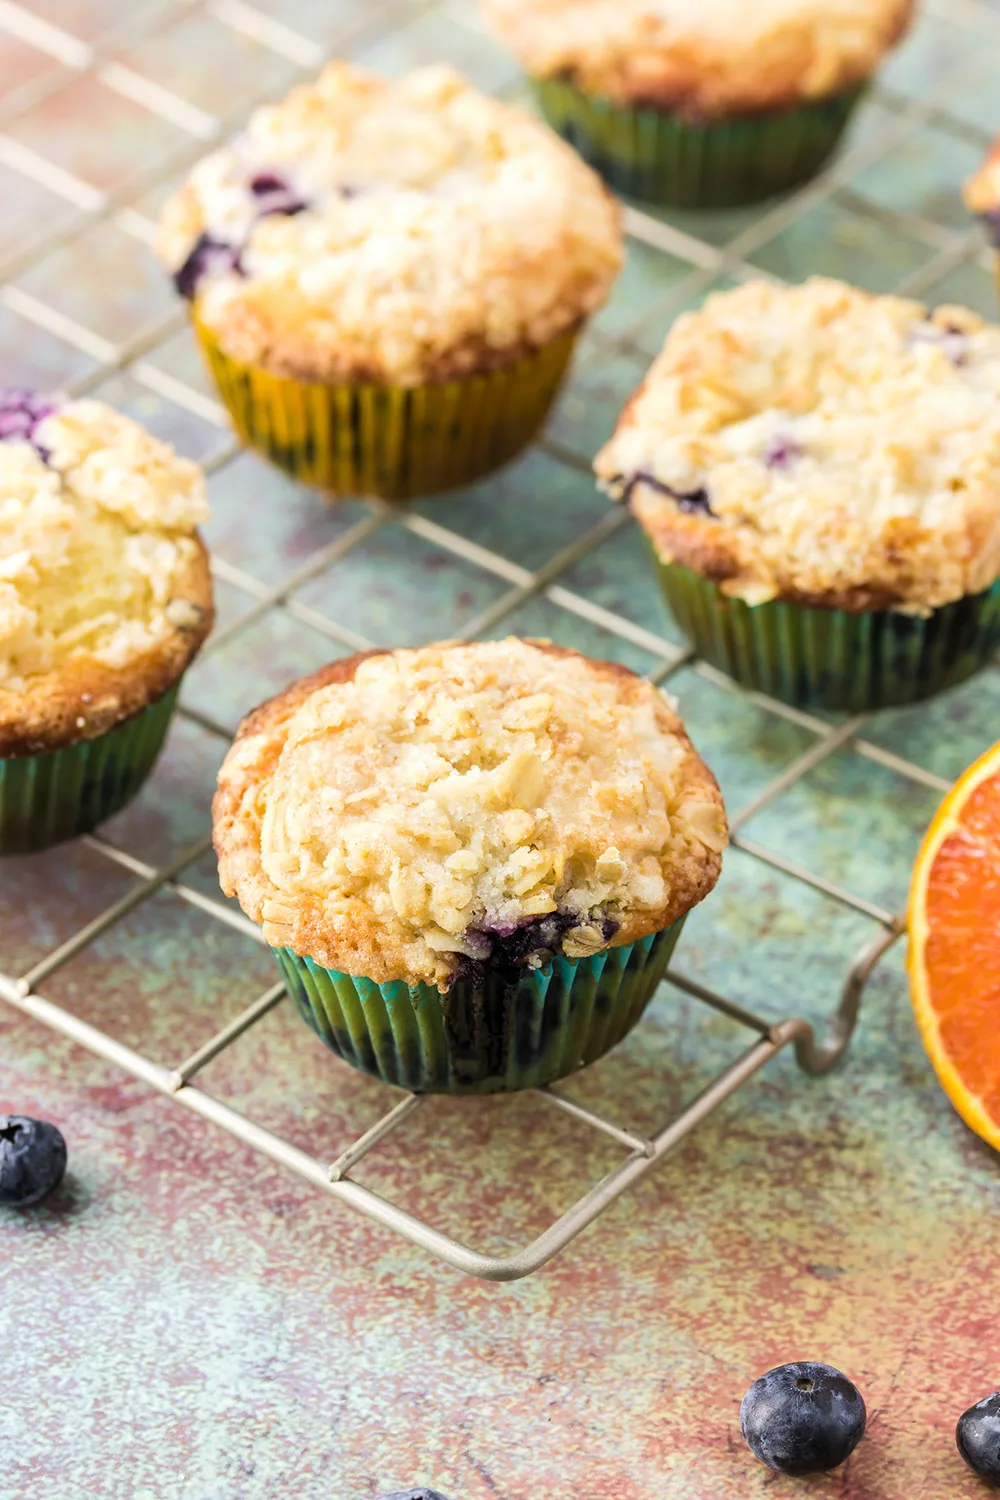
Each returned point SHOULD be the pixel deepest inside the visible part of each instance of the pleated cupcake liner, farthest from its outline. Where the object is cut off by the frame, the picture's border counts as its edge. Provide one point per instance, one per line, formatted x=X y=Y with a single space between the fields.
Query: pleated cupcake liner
x=658 y=157
x=833 y=659
x=45 y=799
x=394 y=442
x=492 y=1037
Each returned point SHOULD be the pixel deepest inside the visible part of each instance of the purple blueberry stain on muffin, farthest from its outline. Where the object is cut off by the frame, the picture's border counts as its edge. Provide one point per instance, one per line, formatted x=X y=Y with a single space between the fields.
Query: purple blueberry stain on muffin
x=209 y=256
x=782 y=451
x=694 y=502
x=509 y=948
x=952 y=340
x=274 y=194
x=21 y=414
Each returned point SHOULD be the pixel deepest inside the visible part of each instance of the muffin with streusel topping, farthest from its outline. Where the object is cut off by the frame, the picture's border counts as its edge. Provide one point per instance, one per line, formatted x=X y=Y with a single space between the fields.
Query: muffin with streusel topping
x=818 y=471
x=388 y=277
x=701 y=103
x=105 y=597
x=473 y=861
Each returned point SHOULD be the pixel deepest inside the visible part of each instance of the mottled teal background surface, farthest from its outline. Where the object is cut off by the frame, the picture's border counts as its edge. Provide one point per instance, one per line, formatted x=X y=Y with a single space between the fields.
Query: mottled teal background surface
x=185 y=1321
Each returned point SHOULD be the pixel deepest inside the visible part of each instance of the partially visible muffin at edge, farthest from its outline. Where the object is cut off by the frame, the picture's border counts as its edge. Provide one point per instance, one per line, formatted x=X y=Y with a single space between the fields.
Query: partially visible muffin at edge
x=105 y=588
x=710 y=105
x=820 y=444
x=401 y=815
x=704 y=60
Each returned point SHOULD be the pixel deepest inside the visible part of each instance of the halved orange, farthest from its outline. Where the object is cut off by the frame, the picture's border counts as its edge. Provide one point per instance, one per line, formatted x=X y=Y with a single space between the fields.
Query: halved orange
x=954 y=958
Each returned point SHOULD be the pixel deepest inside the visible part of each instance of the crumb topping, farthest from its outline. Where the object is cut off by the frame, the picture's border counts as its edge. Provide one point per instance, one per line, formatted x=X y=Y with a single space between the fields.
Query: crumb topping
x=443 y=804
x=390 y=230
x=704 y=60
x=96 y=534
x=820 y=443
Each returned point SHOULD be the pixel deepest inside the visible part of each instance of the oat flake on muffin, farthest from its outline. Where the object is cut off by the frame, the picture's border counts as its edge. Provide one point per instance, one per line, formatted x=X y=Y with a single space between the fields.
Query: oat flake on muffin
x=390 y=231
x=402 y=814
x=702 y=58
x=822 y=445
x=105 y=591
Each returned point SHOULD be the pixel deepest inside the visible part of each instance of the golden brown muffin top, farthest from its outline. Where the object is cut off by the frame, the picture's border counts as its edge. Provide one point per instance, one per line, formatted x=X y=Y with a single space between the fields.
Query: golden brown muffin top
x=704 y=59
x=402 y=812
x=391 y=231
x=821 y=444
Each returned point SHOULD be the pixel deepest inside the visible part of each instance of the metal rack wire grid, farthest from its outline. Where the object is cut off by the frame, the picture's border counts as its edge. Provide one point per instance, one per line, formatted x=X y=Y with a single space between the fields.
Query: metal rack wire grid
x=136 y=106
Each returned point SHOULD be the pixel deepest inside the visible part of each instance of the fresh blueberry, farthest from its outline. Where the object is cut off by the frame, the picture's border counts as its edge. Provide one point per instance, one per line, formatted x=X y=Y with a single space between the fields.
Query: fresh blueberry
x=32 y=1159
x=781 y=452
x=421 y=1494
x=802 y=1418
x=978 y=1437
x=692 y=502
x=275 y=195
x=208 y=257
x=20 y=414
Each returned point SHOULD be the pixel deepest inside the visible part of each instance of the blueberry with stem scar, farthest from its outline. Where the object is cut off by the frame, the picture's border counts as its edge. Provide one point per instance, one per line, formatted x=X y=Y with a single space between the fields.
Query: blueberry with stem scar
x=414 y=1494
x=802 y=1418
x=419 y=1494
x=32 y=1160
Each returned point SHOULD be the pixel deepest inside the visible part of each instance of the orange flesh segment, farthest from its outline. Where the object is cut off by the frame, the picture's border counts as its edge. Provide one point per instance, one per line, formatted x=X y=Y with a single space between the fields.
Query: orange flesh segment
x=955 y=945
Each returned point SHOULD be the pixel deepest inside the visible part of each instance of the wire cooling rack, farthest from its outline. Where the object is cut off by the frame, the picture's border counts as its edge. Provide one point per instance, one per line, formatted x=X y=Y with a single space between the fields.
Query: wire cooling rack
x=60 y=61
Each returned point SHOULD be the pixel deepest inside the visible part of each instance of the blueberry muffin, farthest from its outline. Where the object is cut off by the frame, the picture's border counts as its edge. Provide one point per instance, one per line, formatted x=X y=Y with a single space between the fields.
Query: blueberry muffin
x=700 y=103
x=818 y=471
x=388 y=277
x=105 y=597
x=473 y=861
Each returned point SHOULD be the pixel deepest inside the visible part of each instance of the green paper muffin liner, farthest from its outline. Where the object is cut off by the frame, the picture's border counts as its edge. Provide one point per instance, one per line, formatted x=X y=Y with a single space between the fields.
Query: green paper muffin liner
x=45 y=799
x=658 y=157
x=488 y=1038
x=829 y=658
x=395 y=442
